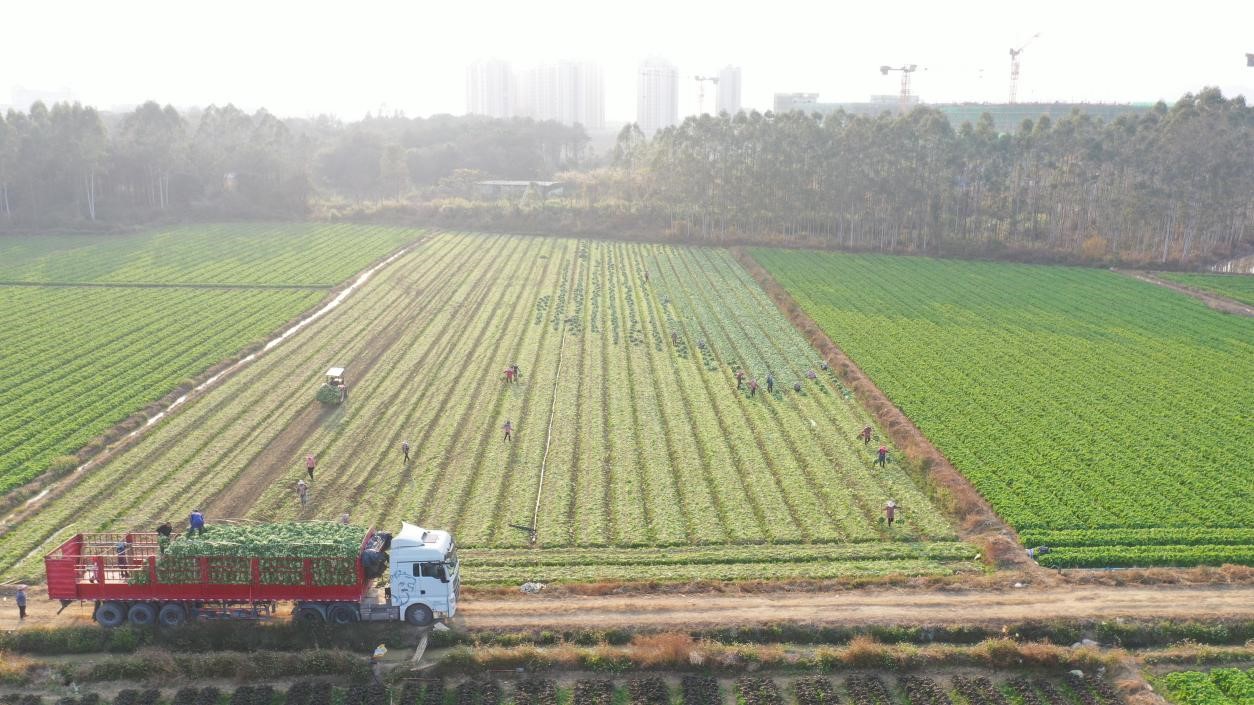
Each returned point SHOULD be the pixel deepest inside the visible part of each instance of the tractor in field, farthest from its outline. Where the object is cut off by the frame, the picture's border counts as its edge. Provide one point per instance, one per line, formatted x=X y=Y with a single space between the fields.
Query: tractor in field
x=333 y=390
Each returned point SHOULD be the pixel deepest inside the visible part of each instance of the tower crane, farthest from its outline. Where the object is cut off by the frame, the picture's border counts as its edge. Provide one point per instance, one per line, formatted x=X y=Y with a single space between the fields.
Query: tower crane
x=905 y=70
x=701 y=80
x=1014 y=66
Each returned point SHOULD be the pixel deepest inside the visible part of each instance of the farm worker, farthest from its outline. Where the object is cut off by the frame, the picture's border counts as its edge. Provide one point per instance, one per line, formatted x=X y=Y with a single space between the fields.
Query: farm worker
x=810 y=375
x=121 y=549
x=165 y=530
x=770 y=383
x=674 y=338
x=21 y=602
x=753 y=387
x=890 y=511
x=796 y=387
x=509 y=374
x=302 y=489
x=866 y=435
x=646 y=276
x=517 y=372
x=195 y=523
x=509 y=429
x=309 y=465
x=405 y=449
x=344 y=518
x=740 y=378
x=883 y=456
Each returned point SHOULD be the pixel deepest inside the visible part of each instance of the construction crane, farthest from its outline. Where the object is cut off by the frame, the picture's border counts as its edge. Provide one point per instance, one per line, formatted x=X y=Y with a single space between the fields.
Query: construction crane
x=701 y=91
x=1014 y=66
x=905 y=70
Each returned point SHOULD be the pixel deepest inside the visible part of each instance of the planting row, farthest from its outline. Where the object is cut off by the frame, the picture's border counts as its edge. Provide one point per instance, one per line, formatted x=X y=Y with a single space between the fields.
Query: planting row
x=1081 y=403
x=305 y=254
x=1221 y=686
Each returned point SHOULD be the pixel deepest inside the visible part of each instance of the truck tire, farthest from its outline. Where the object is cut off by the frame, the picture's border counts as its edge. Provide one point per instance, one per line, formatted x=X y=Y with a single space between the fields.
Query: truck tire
x=308 y=615
x=110 y=614
x=142 y=614
x=342 y=614
x=172 y=614
x=419 y=615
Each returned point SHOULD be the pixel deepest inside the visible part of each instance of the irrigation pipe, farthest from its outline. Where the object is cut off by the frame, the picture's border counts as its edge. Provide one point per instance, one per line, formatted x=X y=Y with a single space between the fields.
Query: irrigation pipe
x=548 y=441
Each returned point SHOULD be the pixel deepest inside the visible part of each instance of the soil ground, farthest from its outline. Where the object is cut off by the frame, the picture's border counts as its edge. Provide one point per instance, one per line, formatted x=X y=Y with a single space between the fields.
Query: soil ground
x=867 y=606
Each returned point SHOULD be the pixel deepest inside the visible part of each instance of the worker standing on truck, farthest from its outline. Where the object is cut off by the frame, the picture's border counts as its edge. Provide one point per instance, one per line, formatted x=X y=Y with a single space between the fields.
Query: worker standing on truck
x=890 y=512
x=121 y=549
x=509 y=429
x=21 y=602
x=195 y=523
x=302 y=490
x=866 y=436
x=405 y=449
x=163 y=536
x=882 y=458
x=309 y=465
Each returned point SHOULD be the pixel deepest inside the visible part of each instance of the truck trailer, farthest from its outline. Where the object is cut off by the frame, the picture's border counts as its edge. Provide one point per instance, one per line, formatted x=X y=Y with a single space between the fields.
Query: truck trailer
x=422 y=565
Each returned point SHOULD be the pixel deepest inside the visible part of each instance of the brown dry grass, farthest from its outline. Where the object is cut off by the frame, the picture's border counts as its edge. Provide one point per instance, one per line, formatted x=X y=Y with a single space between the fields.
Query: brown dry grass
x=664 y=649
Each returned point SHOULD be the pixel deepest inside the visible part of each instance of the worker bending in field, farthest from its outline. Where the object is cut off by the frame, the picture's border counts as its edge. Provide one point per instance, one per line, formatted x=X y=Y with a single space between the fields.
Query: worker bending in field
x=302 y=491
x=195 y=523
x=882 y=456
x=509 y=430
x=890 y=512
x=811 y=375
x=796 y=387
x=509 y=374
x=866 y=436
x=309 y=465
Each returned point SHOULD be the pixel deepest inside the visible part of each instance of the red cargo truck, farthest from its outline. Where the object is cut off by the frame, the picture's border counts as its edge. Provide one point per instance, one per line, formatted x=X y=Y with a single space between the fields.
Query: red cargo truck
x=128 y=587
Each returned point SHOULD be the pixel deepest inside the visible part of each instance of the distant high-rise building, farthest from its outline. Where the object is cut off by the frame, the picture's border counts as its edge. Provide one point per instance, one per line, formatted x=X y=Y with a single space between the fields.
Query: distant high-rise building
x=787 y=102
x=490 y=89
x=23 y=98
x=569 y=92
x=729 y=90
x=657 y=95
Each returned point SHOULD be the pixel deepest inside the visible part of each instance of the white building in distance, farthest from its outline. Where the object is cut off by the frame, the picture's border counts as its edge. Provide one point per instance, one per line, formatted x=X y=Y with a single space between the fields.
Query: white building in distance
x=490 y=89
x=570 y=92
x=657 y=95
x=728 y=90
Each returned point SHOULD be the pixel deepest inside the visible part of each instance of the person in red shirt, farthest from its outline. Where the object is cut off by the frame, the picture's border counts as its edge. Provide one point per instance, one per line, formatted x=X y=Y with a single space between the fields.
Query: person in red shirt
x=509 y=374
x=309 y=465
x=883 y=456
x=890 y=512
x=753 y=387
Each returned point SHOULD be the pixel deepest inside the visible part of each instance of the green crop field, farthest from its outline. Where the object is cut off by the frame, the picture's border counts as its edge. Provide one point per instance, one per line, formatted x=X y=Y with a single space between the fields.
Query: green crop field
x=634 y=451
x=1221 y=686
x=93 y=331
x=1104 y=417
x=1238 y=287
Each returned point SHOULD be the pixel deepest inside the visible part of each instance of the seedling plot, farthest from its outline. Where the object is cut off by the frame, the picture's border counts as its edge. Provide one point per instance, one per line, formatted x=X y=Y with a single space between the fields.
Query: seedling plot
x=594 y=692
x=816 y=690
x=700 y=690
x=648 y=691
x=925 y=691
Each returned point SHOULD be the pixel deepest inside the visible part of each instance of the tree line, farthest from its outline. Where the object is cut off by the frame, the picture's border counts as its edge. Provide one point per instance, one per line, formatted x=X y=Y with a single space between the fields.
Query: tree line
x=1173 y=184
x=70 y=164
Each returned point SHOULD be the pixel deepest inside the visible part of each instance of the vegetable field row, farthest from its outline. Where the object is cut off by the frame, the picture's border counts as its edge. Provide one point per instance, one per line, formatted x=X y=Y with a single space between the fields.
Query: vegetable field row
x=1239 y=287
x=1221 y=686
x=1104 y=417
x=643 y=437
x=233 y=254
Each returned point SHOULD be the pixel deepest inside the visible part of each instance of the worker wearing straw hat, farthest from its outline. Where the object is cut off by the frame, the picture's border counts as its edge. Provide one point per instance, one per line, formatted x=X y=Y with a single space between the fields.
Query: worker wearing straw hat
x=890 y=511
x=21 y=602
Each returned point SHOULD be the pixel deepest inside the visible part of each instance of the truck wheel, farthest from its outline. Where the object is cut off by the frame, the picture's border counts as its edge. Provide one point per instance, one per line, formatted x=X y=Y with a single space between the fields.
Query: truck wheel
x=342 y=614
x=142 y=614
x=419 y=615
x=172 y=614
x=110 y=614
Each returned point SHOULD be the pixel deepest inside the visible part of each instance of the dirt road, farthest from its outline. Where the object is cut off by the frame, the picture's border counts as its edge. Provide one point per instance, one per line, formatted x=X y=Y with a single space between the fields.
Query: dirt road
x=1215 y=301
x=868 y=606
x=862 y=607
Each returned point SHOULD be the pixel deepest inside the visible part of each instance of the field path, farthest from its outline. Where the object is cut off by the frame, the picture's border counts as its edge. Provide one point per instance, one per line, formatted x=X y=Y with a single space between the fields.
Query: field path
x=860 y=607
x=852 y=607
x=1215 y=301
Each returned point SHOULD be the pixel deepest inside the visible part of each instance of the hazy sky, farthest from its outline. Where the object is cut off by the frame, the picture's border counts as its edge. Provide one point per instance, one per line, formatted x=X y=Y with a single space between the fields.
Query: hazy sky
x=347 y=58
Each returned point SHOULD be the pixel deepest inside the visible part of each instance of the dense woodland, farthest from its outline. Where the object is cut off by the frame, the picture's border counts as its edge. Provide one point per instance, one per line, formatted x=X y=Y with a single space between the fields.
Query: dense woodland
x=1174 y=185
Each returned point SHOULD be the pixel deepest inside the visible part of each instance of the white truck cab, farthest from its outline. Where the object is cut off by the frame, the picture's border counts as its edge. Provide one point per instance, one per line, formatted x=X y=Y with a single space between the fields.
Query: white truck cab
x=425 y=575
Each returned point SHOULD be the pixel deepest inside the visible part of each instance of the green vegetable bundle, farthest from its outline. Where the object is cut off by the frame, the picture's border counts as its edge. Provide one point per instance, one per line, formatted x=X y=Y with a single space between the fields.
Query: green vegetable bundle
x=280 y=550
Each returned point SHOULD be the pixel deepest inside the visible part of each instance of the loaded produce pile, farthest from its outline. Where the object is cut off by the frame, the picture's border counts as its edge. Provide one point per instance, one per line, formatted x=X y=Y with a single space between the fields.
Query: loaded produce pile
x=280 y=549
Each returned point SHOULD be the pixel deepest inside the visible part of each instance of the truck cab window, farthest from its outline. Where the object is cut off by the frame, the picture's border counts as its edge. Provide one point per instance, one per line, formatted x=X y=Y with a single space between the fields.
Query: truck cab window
x=434 y=570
